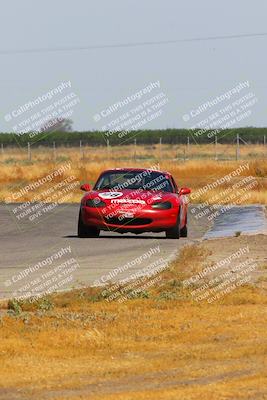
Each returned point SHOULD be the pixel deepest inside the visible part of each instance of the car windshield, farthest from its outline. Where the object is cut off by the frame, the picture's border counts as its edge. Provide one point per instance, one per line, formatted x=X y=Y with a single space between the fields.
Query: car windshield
x=134 y=180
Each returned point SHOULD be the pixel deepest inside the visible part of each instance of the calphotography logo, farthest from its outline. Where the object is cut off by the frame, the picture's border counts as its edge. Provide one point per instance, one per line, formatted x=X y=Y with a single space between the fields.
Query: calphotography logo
x=46 y=113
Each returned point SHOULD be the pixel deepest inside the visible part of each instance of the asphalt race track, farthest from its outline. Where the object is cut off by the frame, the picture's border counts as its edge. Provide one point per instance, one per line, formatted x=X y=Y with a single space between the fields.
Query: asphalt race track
x=24 y=246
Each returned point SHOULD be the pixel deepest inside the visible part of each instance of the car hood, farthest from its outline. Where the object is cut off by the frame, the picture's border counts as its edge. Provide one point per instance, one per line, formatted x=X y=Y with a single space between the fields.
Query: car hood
x=131 y=196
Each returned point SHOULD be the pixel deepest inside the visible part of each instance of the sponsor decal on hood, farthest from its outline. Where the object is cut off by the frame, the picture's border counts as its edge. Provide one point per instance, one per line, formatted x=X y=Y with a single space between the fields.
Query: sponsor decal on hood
x=129 y=201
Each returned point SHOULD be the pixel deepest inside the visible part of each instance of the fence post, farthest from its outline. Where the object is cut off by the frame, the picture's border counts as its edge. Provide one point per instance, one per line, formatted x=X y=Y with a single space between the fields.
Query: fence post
x=107 y=148
x=135 y=149
x=81 y=149
x=216 y=148
x=29 y=152
x=188 y=146
x=237 y=147
x=160 y=148
x=2 y=148
x=54 y=151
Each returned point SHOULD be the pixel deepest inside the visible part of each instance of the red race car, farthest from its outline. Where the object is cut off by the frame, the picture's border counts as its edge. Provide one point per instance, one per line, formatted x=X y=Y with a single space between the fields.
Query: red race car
x=134 y=200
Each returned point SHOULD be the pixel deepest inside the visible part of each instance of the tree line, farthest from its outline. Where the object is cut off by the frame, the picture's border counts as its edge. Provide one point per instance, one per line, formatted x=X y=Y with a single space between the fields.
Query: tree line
x=154 y=136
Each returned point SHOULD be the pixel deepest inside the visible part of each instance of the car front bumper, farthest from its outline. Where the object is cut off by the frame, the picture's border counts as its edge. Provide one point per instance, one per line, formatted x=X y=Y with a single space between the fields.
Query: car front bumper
x=147 y=220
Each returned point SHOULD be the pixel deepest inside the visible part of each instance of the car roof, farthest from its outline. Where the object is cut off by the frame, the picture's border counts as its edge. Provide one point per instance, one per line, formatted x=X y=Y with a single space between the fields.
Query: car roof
x=136 y=169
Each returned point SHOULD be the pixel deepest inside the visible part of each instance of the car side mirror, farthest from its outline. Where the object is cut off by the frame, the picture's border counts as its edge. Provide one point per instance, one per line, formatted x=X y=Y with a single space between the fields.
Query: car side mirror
x=86 y=187
x=184 y=191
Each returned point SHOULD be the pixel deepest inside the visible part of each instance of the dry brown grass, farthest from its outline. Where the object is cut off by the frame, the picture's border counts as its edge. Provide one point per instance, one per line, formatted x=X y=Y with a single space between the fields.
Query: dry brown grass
x=16 y=171
x=140 y=349
x=164 y=342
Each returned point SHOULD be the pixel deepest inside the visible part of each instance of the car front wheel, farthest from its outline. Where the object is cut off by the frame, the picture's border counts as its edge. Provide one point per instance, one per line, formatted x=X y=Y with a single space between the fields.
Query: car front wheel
x=174 y=233
x=85 y=231
x=183 y=231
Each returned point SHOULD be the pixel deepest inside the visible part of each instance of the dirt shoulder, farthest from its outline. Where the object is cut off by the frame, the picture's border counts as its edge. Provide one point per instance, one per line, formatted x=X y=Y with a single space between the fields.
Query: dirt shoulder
x=160 y=344
x=256 y=246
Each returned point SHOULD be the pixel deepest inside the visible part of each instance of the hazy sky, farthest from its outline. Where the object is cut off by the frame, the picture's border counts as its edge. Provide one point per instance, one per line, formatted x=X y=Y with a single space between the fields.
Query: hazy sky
x=190 y=73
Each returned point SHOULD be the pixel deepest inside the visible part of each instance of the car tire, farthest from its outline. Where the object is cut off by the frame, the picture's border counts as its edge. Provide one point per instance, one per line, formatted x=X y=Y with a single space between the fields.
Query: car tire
x=183 y=231
x=85 y=231
x=174 y=233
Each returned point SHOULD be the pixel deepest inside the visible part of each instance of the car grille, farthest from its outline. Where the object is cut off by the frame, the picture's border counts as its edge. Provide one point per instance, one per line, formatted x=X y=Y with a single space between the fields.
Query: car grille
x=128 y=221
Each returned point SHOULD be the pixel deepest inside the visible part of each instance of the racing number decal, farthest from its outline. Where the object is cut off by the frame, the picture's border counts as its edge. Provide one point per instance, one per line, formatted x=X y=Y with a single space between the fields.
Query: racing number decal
x=110 y=195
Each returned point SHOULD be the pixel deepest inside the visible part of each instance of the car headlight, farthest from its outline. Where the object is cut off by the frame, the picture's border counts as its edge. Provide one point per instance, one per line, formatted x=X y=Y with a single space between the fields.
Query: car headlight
x=96 y=203
x=166 y=205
